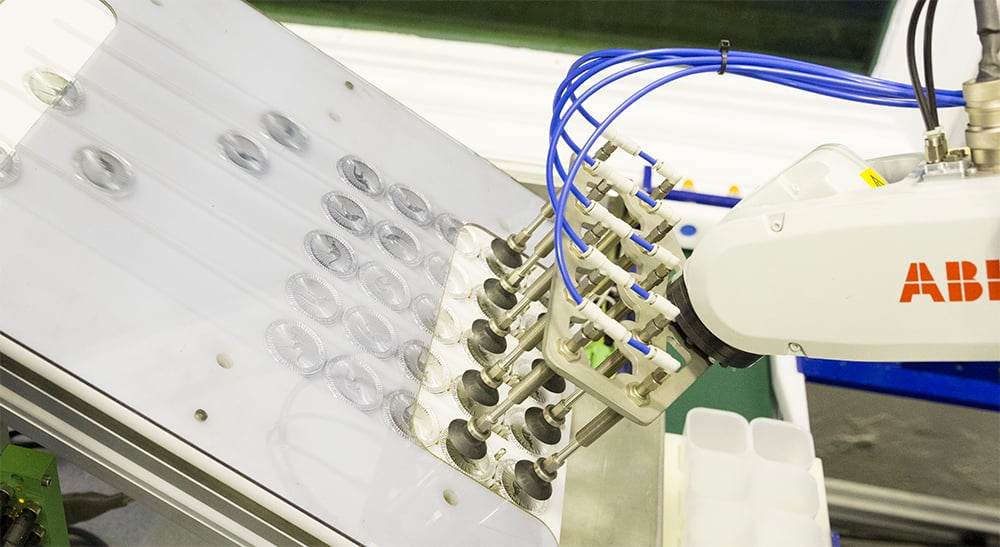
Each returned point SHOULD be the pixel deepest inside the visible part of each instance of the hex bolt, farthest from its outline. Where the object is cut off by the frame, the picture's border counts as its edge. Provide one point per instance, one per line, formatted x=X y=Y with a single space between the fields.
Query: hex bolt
x=605 y=151
x=639 y=392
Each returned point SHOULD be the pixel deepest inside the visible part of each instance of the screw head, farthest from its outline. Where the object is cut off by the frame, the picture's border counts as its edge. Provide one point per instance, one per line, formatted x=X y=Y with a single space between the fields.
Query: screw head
x=200 y=415
x=566 y=351
x=794 y=347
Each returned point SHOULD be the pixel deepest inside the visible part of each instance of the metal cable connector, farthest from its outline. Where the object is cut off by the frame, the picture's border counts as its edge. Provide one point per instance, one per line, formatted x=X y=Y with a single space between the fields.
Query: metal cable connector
x=935 y=145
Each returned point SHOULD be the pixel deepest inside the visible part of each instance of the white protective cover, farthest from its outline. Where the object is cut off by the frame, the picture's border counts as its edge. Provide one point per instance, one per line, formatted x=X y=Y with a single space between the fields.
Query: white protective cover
x=817 y=263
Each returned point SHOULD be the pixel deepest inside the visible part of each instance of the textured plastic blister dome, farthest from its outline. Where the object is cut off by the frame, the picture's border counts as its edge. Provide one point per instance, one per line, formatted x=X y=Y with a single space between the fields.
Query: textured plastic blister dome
x=360 y=175
x=331 y=253
x=295 y=346
x=370 y=331
x=410 y=203
x=347 y=213
x=398 y=243
x=350 y=378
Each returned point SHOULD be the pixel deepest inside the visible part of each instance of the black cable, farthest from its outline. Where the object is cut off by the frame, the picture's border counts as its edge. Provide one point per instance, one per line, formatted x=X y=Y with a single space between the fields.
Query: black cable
x=26 y=444
x=932 y=108
x=911 y=62
x=970 y=541
x=20 y=439
x=89 y=538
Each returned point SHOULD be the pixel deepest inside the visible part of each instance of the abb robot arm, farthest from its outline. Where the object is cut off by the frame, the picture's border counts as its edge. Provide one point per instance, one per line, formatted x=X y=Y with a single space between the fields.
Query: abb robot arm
x=829 y=260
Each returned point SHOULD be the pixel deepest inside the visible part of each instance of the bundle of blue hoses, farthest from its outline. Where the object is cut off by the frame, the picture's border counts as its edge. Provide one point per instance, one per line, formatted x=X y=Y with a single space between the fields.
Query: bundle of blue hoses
x=682 y=62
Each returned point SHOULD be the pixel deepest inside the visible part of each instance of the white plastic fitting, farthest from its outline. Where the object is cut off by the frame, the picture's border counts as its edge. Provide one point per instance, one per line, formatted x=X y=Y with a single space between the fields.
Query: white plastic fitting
x=663 y=306
x=663 y=360
x=592 y=312
x=622 y=229
x=594 y=258
x=667 y=172
x=622 y=142
x=664 y=256
x=623 y=185
x=663 y=212
x=621 y=335
x=629 y=188
x=601 y=214
x=599 y=261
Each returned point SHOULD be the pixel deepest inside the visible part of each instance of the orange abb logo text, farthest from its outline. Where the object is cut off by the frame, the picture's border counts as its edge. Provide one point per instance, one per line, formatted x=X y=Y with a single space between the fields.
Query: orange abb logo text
x=960 y=279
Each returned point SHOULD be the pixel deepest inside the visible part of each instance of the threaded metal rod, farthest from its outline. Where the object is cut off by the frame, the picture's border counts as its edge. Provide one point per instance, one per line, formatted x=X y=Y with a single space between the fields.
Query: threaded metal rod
x=595 y=429
x=519 y=240
x=528 y=385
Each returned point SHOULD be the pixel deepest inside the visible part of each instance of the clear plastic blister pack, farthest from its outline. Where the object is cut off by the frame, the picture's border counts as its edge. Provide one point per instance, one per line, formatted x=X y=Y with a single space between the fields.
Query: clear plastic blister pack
x=186 y=191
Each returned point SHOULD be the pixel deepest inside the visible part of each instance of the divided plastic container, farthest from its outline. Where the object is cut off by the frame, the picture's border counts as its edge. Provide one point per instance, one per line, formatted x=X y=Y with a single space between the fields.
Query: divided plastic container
x=748 y=484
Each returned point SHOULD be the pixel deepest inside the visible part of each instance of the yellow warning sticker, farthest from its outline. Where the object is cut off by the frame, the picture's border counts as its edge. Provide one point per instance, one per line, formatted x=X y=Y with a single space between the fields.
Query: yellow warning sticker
x=872 y=178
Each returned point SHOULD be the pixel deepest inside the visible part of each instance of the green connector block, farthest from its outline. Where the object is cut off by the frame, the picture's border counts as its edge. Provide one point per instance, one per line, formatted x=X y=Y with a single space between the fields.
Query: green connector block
x=33 y=479
x=597 y=352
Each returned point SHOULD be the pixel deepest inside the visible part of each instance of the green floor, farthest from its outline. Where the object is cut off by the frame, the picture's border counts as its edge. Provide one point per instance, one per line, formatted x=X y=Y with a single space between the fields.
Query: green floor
x=744 y=391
